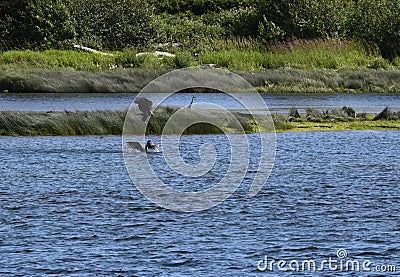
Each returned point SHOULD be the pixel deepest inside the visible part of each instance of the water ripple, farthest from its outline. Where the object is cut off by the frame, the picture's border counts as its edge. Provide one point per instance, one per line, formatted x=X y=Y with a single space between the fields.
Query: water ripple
x=67 y=208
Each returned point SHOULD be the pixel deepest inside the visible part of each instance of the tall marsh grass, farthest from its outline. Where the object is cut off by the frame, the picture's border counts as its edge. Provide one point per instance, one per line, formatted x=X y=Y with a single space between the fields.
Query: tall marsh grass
x=67 y=123
x=13 y=123
x=16 y=123
x=266 y=81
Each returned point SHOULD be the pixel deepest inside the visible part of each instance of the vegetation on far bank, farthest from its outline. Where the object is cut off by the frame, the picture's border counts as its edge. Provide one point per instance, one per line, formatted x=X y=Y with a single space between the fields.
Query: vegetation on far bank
x=291 y=46
x=66 y=123
x=298 y=66
x=233 y=54
x=267 y=81
x=127 y=24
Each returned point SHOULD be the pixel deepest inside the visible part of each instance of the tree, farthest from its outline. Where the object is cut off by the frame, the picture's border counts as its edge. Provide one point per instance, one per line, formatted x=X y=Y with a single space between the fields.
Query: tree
x=378 y=21
x=113 y=24
x=35 y=23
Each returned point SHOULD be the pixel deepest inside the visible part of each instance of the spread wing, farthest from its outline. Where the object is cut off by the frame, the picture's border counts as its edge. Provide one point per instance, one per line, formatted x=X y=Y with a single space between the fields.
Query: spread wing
x=136 y=145
x=145 y=105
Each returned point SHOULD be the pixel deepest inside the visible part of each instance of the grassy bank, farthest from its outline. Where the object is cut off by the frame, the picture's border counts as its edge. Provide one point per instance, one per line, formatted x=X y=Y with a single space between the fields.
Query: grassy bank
x=267 y=81
x=16 y=123
x=233 y=54
x=298 y=66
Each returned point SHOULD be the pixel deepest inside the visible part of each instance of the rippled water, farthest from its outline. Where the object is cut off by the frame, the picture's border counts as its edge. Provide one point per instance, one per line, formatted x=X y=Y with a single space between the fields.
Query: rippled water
x=363 y=102
x=68 y=208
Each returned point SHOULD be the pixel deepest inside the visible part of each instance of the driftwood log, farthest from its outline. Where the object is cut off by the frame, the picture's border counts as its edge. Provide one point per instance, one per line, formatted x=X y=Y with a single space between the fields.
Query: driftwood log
x=155 y=53
x=91 y=50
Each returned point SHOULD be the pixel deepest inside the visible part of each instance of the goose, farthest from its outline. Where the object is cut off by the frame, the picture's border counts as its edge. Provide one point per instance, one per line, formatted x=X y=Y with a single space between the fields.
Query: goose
x=149 y=147
x=145 y=106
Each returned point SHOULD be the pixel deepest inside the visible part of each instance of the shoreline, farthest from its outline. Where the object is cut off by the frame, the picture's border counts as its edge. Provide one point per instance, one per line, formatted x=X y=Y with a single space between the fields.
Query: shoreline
x=132 y=80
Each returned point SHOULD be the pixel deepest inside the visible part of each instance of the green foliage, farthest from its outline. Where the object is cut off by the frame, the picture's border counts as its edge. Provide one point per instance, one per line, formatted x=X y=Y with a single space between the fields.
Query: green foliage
x=304 y=19
x=184 y=59
x=129 y=59
x=114 y=24
x=239 y=22
x=373 y=20
x=54 y=59
x=198 y=7
x=269 y=31
x=186 y=28
x=197 y=24
x=34 y=24
x=378 y=21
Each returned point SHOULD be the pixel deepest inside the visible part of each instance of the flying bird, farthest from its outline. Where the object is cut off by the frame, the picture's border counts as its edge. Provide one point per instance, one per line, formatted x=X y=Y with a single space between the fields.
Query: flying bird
x=149 y=147
x=191 y=102
x=145 y=106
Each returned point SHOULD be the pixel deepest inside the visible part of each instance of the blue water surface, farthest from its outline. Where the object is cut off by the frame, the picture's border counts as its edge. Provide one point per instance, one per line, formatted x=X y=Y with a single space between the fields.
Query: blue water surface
x=68 y=208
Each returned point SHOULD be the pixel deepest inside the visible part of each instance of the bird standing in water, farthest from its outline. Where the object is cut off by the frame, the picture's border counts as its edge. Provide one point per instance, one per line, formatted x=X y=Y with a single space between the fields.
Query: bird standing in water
x=191 y=102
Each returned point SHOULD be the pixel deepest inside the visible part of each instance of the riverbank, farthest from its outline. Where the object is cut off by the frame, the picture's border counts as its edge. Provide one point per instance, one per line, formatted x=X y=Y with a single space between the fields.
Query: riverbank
x=287 y=80
x=66 y=123
x=321 y=66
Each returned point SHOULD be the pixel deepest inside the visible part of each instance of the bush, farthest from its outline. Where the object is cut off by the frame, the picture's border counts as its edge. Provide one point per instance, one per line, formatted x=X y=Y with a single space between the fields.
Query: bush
x=187 y=29
x=242 y=22
x=35 y=24
x=114 y=24
x=198 y=7
x=304 y=19
x=129 y=59
x=378 y=21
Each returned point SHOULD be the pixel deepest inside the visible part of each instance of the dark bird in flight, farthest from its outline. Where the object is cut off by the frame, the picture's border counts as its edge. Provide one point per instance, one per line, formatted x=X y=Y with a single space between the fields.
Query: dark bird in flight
x=145 y=106
x=149 y=147
x=191 y=102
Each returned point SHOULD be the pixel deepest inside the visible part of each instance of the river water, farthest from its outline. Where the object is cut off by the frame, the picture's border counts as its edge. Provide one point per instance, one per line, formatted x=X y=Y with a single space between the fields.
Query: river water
x=68 y=208
x=280 y=102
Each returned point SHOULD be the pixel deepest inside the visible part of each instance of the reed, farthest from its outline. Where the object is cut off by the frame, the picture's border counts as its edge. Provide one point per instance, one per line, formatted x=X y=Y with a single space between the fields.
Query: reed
x=67 y=123
x=15 y=123
x=266 y=81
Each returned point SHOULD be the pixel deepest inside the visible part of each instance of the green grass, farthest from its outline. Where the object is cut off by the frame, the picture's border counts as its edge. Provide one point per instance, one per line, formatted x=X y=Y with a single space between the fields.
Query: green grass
x=340 y=126
x=54 y=59
x=295 y=66
x=307 y=55
x=234 y=54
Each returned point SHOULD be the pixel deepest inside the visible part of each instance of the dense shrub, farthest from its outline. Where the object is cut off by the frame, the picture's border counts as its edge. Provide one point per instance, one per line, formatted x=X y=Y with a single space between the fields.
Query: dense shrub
x=34 y=24
x=378 y=21
x=186 y=28
x=119 y=24
x=114 y=24
x=305 y=19
x=198 y=7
